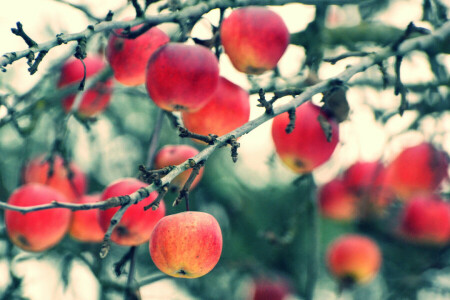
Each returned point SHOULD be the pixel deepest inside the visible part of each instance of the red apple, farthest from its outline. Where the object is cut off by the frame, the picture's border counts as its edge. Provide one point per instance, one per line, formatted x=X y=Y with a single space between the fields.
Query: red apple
x=426 y=219
x=228 y=109
x=365 y=181
x=269 y=289
x=363 y=175
x=85 y=226
x=254 y=38
x=417 y=169
x=37 y=171
x=182 y=77
x=337 y=202
x=38 y=230
x=128 y=57
x=306 y=147
x=186 y=244
x=353 y=259
x=136 y=225
x=96 y=99
x=171 y=155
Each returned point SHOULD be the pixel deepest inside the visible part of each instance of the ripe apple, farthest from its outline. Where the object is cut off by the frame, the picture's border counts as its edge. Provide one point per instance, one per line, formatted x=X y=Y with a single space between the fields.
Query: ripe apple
x=417 y=169
x=426 y=219
x=170 y=155
x=269 y=289
x=182 y=77
x=136 y=224
x=337 y=202
x=37 y=171
x=128 y=57
x=39 y=230
x=227 y=109
x=305 y=148
x=254 y=38
x=186 y=244
x=366 y=181
x=353 y=259
x=363 y=175
x=85 y=226
x=96 y=99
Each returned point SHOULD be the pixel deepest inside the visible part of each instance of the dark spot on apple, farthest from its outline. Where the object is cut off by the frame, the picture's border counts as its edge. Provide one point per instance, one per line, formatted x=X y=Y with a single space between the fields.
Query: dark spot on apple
x=122 y=230
x=178 y=107
x=23 y=241
x=299 y=163
x=182 y=272
x=118 y=44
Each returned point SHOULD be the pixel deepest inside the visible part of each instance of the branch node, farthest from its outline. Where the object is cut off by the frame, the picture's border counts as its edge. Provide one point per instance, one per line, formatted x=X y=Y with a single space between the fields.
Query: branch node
x=20 y=32
x=264 y=103
x=234 y=147
x=291 y=126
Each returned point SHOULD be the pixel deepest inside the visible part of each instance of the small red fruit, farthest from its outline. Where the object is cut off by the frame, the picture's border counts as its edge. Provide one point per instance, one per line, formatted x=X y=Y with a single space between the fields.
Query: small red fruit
x=417 y=169
x=38 y=230
x=269 y=289
x=96 y=99
x=136 y=225
x=37 y=171
x=84 y=226
x=305 y=148
x=186 y=244
x=228 y=109
x=363 y=175
x=353 y=259
x=171 y=155
x=254 y=38
x=337 y=202
x=426 y=219
x=182 y=77
x=128 y=57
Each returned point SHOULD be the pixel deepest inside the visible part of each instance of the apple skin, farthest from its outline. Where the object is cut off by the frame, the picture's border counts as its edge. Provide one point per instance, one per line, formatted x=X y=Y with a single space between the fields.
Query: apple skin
x=37 y=171
x=96 y=99
x=426 y=220
x=39 y=230
x=170 y=155
x=227 y=109
x=269 y=289
x=187 y=244
x=136 y=225
x=417 y=169
x=363 y=175
x=182 y=77
x=353 y=259
x=306 y=147
x=337 y=202
x=128 y=57
x=365 y=179
x=254 y=38
x=84 y=226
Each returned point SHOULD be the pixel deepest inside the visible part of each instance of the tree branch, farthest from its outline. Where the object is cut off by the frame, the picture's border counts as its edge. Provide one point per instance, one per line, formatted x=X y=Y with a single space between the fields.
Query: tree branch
x=194 y=11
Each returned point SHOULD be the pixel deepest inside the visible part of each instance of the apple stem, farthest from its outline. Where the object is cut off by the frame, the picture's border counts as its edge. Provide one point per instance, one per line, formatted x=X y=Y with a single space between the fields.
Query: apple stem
x=184 y=193
x=155 y=139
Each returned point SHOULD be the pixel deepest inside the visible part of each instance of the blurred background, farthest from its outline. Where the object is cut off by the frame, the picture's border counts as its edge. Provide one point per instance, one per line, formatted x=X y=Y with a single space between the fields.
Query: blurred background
x=270 y=228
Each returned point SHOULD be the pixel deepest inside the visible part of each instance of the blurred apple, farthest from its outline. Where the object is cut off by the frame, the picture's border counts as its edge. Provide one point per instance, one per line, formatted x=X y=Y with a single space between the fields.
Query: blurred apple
x=96 y=99
x=37 y=170
x=353 y=259
x=136 y=224
x=38 y=230
x=85 y=226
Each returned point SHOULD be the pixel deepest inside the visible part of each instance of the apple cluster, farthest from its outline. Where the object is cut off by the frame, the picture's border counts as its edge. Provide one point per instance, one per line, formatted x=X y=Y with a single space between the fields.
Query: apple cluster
x=402 y=192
